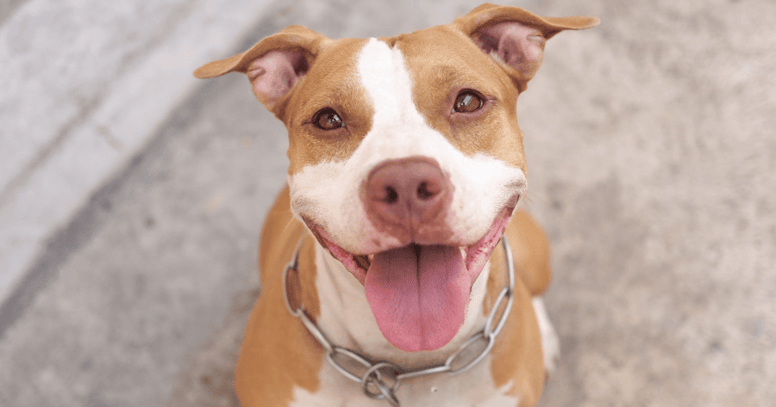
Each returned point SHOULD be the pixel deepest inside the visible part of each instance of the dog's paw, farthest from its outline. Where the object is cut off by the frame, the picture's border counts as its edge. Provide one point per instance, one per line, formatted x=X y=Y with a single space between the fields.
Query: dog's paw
x=550 y=341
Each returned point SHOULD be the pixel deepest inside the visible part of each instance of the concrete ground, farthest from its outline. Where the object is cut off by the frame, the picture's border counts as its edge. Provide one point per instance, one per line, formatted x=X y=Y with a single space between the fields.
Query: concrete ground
x=652 y=160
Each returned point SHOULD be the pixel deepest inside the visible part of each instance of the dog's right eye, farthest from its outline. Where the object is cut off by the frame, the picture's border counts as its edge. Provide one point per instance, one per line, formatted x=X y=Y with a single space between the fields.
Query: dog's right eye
x=468 y=101
x=328 y=119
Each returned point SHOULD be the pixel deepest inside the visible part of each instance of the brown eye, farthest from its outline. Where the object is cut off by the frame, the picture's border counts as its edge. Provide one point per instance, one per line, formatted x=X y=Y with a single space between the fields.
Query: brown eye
x=328 y=119
x=468 y=102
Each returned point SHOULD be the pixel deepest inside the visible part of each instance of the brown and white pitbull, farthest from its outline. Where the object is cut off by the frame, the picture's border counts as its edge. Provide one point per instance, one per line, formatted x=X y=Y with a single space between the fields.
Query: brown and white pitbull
x=406 y=166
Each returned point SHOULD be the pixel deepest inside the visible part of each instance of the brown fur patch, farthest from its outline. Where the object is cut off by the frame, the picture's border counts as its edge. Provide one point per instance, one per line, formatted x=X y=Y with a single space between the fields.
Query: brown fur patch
x=517 y=354
x=493 y=129
x=278 y=354
x=531 y=251
x=331 y=82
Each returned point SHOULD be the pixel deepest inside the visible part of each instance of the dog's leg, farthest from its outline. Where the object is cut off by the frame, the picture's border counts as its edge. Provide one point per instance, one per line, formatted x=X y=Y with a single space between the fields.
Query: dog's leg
x=550 y=342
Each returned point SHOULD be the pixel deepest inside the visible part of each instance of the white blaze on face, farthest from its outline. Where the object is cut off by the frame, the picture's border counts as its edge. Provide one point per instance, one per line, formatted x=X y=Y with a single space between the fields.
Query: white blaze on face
x=328 y=193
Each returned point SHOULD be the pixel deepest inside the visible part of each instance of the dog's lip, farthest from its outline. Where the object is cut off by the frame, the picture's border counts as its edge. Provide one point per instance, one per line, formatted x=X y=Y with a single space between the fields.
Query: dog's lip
x=474 y=255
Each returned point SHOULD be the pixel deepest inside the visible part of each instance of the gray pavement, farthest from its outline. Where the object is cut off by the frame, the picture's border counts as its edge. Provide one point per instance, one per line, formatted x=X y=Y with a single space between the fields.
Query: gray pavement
x=650 y=142
x=85 y=86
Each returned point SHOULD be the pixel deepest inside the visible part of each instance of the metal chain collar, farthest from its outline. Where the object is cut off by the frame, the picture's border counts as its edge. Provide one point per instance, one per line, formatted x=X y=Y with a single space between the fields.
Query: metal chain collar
x=381 y=380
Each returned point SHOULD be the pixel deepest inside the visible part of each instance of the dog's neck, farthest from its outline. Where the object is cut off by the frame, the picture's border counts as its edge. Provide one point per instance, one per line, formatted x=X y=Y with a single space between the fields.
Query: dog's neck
x=347 y=319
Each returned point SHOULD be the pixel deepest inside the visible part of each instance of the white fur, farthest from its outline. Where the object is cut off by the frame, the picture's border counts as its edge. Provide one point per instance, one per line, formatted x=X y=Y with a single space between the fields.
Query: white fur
x=437 y=391
x=328 y=193
x=550 y=342
x=428 y=392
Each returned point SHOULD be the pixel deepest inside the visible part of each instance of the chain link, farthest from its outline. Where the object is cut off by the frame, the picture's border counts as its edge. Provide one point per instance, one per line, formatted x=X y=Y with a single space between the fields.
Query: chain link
x=381 y=380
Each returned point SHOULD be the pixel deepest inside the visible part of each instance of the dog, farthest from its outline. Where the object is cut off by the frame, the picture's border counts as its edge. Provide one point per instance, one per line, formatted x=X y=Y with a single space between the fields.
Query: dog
x=385 y=278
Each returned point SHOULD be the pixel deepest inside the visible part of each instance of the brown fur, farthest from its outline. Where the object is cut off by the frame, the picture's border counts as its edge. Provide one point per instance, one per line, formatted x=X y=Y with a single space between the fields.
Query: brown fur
x=278 y=354
x=517 y=354
x=335 y=86
x=467 y=68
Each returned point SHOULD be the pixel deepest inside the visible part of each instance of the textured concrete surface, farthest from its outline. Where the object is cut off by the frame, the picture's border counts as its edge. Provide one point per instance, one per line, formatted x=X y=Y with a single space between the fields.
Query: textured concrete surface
x=85 y=85
x=651 y=146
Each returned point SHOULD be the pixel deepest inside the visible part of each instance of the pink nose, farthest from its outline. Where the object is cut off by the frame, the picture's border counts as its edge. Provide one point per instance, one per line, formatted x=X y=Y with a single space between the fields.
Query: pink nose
x=407 y=192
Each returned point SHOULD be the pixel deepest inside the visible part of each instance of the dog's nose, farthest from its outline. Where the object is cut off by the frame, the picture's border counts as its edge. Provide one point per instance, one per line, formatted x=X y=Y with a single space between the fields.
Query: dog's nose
x=407 y=192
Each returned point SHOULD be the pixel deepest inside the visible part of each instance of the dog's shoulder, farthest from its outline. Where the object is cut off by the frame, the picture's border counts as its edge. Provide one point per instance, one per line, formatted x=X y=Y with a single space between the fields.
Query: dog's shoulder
x=531 y=251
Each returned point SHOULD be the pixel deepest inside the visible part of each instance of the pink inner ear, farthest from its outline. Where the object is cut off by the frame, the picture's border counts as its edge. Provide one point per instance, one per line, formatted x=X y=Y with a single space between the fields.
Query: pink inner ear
x=519 y=46
x=275 y=73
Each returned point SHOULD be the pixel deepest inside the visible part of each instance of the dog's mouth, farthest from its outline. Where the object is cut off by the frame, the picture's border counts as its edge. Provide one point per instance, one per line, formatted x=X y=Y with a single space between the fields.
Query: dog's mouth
x=419 y=293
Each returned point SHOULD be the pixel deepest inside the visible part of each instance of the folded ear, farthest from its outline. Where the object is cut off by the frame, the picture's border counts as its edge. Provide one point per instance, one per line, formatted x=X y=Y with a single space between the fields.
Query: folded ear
x=515 y=37
x=273 y=65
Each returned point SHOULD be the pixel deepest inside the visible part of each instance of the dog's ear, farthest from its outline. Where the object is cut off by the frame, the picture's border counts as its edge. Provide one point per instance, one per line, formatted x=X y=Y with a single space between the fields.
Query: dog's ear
x=515 y=37
x=273 y=65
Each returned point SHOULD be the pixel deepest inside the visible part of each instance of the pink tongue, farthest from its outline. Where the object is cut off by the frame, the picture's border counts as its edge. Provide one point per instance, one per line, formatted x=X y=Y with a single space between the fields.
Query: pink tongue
x=418 y=294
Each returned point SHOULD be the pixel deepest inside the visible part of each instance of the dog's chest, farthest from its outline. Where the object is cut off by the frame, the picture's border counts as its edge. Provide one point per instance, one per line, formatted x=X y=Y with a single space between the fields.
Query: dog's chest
x=346 y=320
x=473 y=388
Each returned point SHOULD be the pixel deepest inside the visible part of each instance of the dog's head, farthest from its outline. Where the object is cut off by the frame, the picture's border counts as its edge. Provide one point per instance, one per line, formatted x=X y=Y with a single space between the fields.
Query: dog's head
x=406 y=160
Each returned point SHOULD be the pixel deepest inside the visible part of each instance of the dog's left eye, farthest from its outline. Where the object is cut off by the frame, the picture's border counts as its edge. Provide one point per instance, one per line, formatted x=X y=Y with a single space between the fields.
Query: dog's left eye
x=468 y=101
x=328 y=119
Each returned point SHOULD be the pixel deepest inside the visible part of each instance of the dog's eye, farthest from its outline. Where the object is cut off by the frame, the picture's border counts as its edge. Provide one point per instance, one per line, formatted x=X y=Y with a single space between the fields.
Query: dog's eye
x=468 y=101
x=328 y=119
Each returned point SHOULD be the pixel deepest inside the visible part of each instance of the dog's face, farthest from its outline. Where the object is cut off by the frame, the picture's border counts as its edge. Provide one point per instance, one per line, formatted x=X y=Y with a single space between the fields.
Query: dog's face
x=406 y=160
